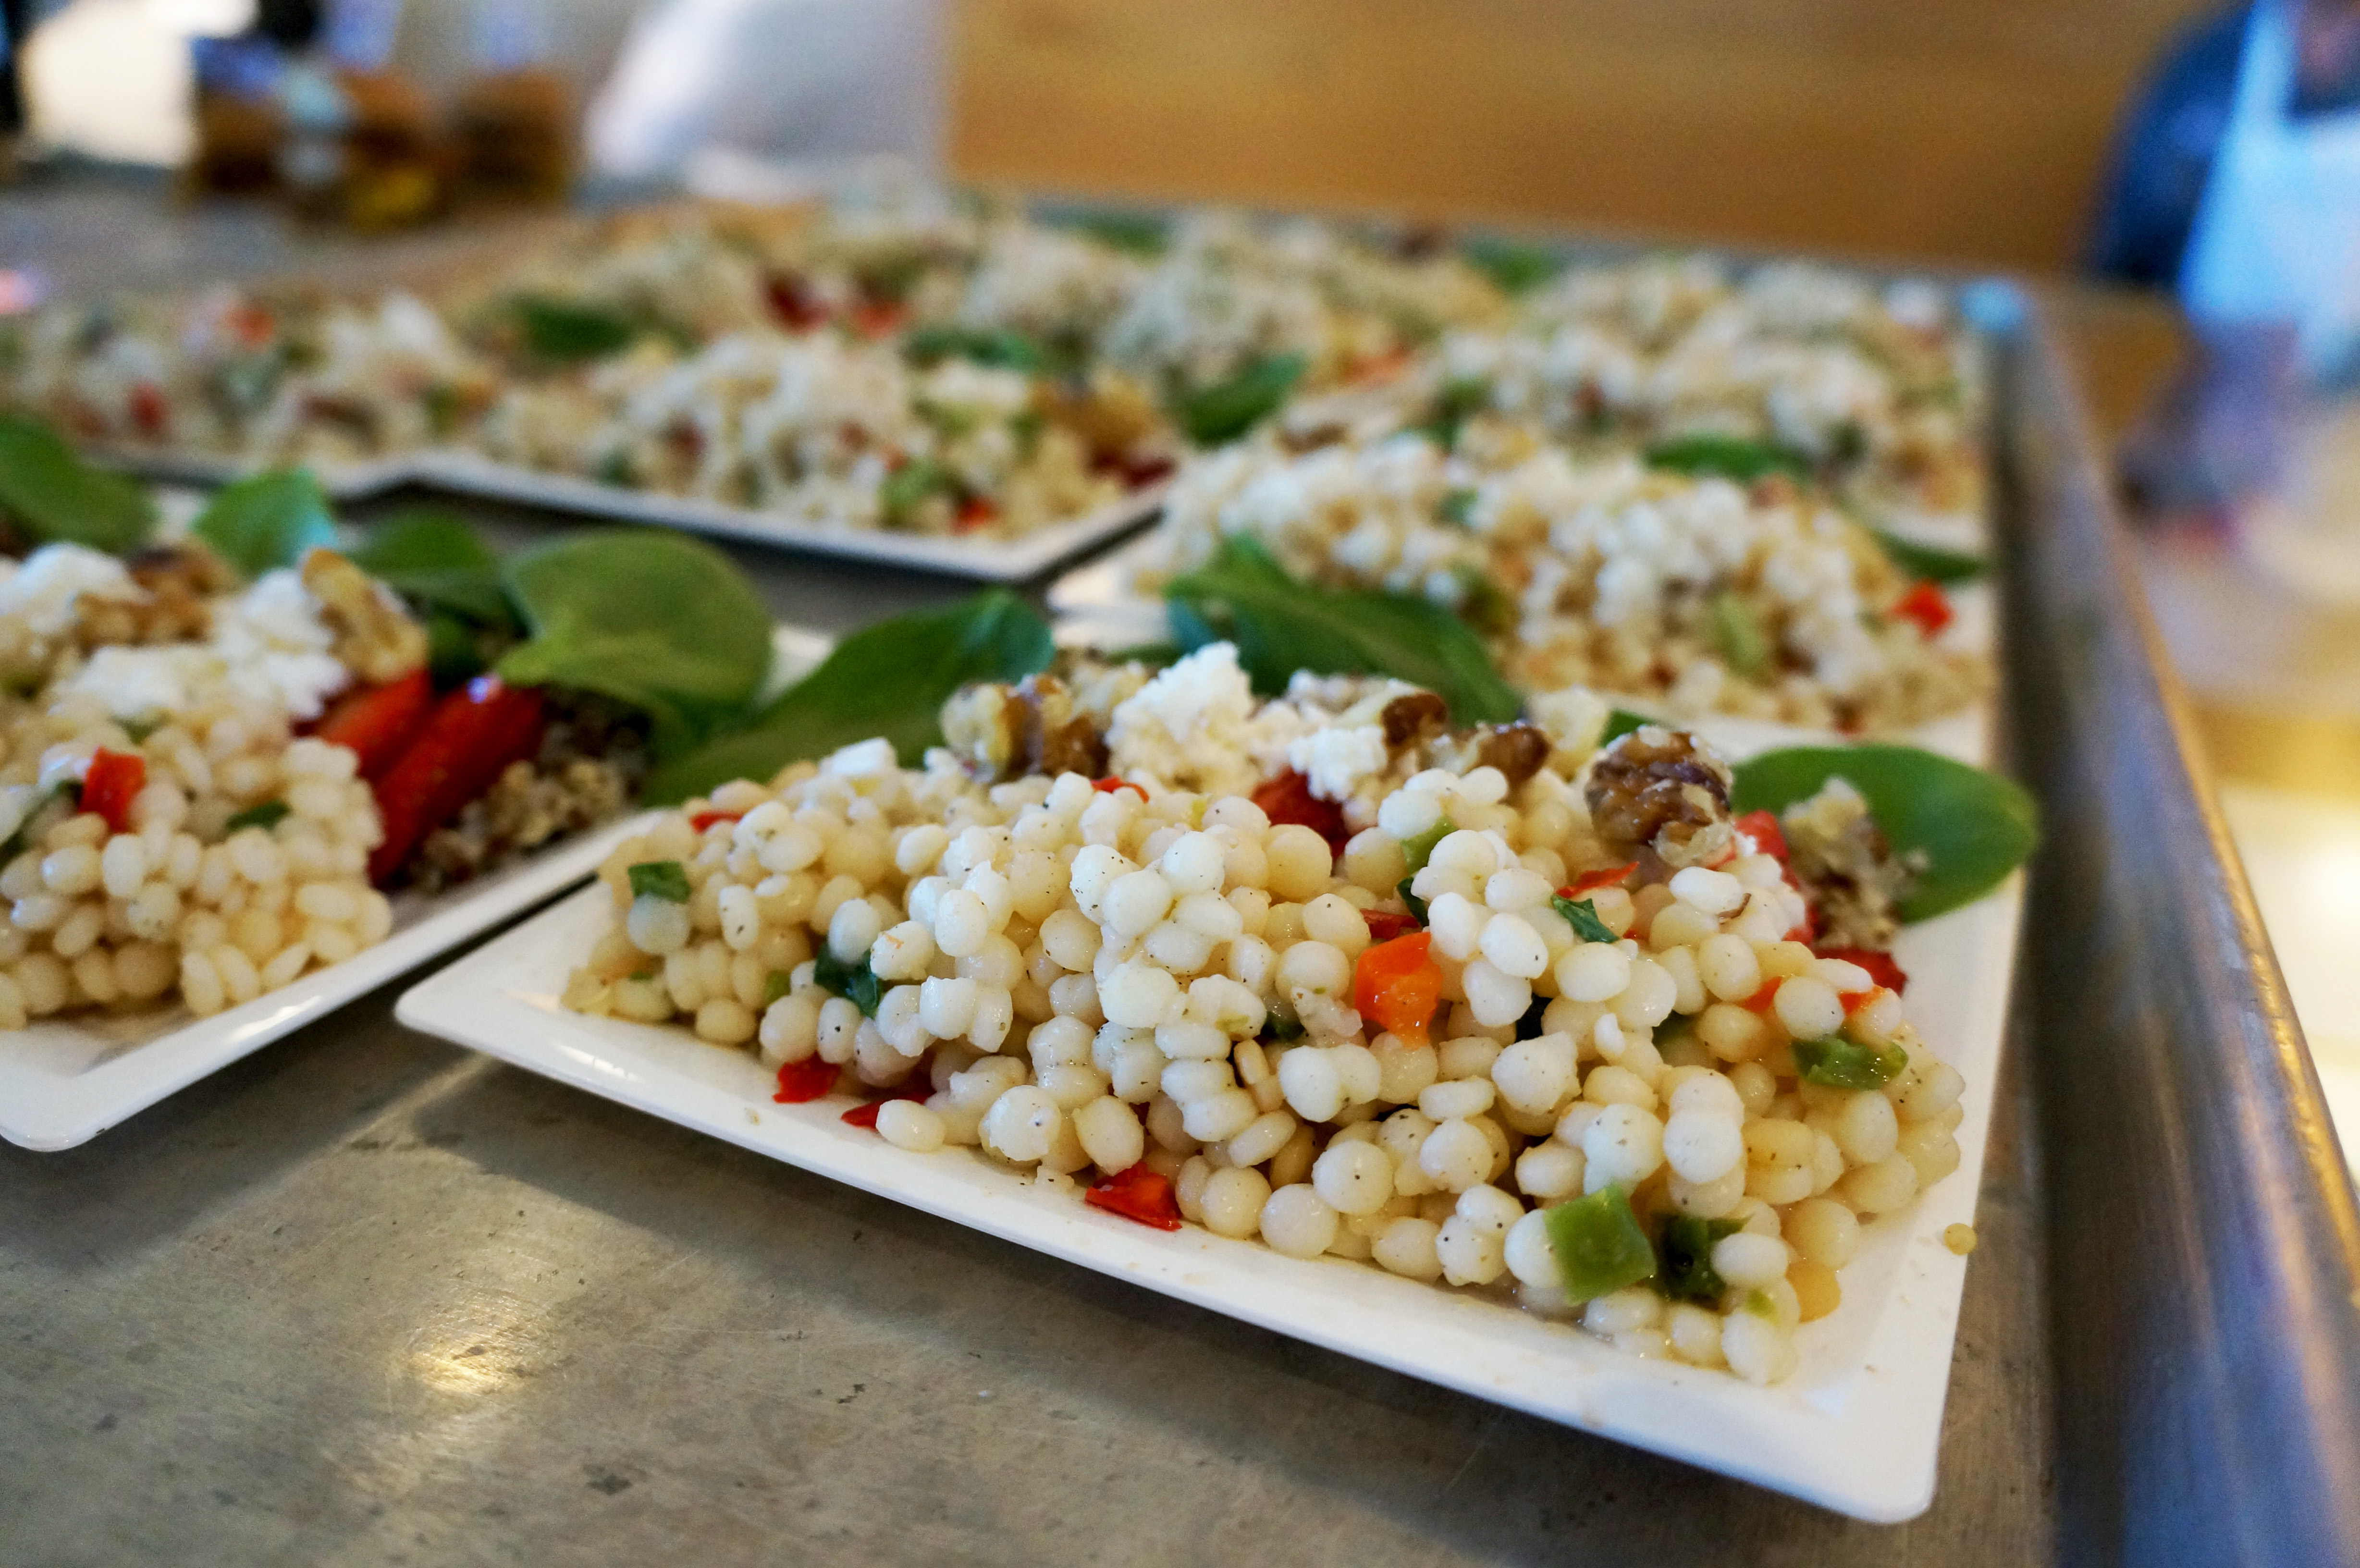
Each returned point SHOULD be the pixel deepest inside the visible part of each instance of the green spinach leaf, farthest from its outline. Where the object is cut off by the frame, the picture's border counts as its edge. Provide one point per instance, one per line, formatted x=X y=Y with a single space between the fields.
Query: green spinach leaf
x=53 y=496
x=437 y=560
x=1974 y=827
x=664 y=623
x=570 y=332
x=1513 y=267
x=1729 y=457
x=1929 y=563
x=1281 y=626
x=261 y=524
x=889 y=679
x=1227 y=409
x=1002 y=348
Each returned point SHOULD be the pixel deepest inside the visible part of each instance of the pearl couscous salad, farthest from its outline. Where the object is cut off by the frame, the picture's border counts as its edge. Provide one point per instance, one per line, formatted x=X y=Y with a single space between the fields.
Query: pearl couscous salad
x=1503 y=1009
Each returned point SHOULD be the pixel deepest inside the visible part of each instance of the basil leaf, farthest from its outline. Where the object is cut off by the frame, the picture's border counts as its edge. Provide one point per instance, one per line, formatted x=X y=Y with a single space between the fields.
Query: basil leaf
x=649 y=618
x=1002 y=348
x=56 y=497
x=1840 y=1064
x=437 y=561
x=1620 y=723
x=1582 y=916
x=1513 y=267
x=261 y=523
x=1685 y=1242
x=1281 y=626
x=665 y=879
x=1929 y=563
x=266 y=816
x=567 y=332
x=855 y=982
x=1974 y=827
x=1227 y=409
x=889 y=679
x=1598 y=1244
x=1729 y=457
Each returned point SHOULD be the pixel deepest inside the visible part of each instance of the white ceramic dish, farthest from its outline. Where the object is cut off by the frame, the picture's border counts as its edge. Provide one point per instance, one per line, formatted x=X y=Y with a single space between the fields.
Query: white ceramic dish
x=989 y=560
x=1095 y=608
x=65 y=1080
x=1856 y=1429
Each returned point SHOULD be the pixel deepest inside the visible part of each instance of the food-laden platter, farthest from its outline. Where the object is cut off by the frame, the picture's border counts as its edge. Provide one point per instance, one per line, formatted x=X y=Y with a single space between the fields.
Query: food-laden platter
x=1501 y=881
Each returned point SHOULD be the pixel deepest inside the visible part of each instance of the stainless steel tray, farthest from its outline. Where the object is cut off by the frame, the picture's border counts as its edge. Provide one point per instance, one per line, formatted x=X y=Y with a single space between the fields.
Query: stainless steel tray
x=365 y=1298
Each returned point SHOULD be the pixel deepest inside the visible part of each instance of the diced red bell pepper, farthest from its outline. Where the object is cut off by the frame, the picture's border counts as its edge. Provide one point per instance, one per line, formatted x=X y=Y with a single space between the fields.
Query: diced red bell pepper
x=1138 y=1194
x=467 y=742
x=974 y=513
x=149 y=412
x=865 y=1115
x=793 y=302
x=1880 y=966
x=1760 y=1001
x=704 y=820
x=1925 y=605
x=376 y=723
x=1141 y=472
x=803 y=1081
x=876 y=318
x=1384 y=925
x=1108 y=786
x=1397 y=986
x=1591 y=881
x=1768 y=837
x=114 y=781
x=1288 y=798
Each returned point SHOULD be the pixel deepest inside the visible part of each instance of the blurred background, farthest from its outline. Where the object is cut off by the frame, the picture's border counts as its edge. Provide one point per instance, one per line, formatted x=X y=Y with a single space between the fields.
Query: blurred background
x=2179 y=183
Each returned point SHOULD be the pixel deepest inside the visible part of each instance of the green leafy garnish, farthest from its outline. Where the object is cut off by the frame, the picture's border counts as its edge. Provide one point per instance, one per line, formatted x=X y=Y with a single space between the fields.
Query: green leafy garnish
x=1141 y=233
x=1599 y=1243
x=1460 y=399
x=855 y=982
x=141 y=727
x=1840 y=1064
x=911 y=484
x=1737 y=632
x=665 y=879
x=647 y=617
x=1929 y=563
x=56 y=497
x=568 y=332
x=889 y=679
x=1002 y=348
x=1458 y=508
x=1582 y=916
x=266 y=816
x=1483 y=604
x=1514 y=268
x=1281 y=626
x=261 y=523
x=1417 y=851
x=1411 y=901
x=1227 y=409
x=1282 y=1027
x=1687 y=1241
x=453 y=652
x=775 y=985
x=1971 y=827
x=1729 y=457
x=439 y=561
x=1620 y=723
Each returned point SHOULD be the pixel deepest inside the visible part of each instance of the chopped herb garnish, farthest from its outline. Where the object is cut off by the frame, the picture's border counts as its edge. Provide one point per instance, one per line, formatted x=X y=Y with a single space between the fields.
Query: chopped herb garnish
x=1729 y=457
x=1227 y=409
x=1515 y=268
x=665 y=879
x=855 y=982
x=1001 y=348
x=1737 y=632
x=1282 y=1027
x=1598 y=1244
x=1840 y=1064
x=141 y=728
x=1461 y=399
x=1411 y=901
x=909 y=485
x=266 y=816
x=1582 y=916
x=778 y=984
x=1687 y=1243
x=1928 y=564
x=1458 y=508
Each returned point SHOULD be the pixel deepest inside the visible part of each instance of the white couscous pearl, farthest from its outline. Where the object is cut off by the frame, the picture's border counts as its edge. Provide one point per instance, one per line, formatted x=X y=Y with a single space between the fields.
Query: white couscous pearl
x=1528 y=1253
x=1593 y=972
x=1232 y=1200
x=907 y=1125
x=1624 y=1146
x=1715 y=893
x=1354 y=1178
x=1138 y=995
x=1757 y=1349
x=657 y=925
x=1513 y=948
x=1297 y=1222
x=1808 y=1007
x=1456 y=1155
x=1748 y=1261
x=1023 y=1124
x=1535 y=1075
x=1456 y=925
x=1550 y=1171
x=1703 y=1145
x=1470 y=1254
x=1456 y=1098
x=1311 y=1084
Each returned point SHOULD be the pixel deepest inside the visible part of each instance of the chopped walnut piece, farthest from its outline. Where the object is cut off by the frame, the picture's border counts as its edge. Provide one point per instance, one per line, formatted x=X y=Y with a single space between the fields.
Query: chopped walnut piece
x=1661 y=789
x=376 y=638
x=176 y=582
x=1414 y=719
x=1849 y=872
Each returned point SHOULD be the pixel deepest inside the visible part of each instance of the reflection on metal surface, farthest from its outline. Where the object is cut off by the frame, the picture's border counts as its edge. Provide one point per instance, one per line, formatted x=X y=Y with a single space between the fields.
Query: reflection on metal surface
x=477 y=1343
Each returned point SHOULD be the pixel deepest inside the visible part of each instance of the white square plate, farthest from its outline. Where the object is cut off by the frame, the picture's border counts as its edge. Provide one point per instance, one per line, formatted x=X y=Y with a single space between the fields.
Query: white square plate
x=1856 y=1429
x=983 y=560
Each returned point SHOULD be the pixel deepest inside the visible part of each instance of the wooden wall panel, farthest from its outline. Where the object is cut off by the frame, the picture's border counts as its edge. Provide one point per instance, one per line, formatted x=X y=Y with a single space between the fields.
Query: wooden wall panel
x=1971 y=130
